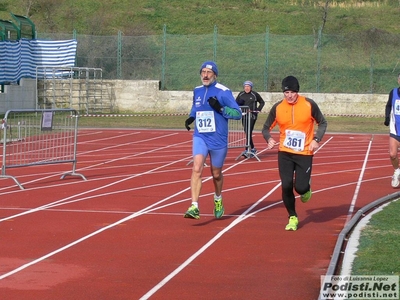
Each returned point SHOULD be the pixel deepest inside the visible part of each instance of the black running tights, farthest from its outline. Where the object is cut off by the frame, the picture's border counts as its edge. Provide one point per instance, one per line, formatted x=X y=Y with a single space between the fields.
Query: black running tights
x=295 y=172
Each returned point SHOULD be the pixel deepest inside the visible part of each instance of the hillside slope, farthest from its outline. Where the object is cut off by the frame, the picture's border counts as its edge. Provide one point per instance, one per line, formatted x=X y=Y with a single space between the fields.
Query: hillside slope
x=232 y=17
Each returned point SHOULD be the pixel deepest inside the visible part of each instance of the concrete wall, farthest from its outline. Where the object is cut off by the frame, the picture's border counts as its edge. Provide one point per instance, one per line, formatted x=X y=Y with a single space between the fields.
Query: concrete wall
x=22 y=96
x=144 y=96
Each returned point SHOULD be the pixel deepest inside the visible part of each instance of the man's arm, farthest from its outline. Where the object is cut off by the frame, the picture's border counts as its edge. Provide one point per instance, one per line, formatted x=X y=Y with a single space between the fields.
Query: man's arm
x=388 y=108
x=261 y=102
x=320 y=119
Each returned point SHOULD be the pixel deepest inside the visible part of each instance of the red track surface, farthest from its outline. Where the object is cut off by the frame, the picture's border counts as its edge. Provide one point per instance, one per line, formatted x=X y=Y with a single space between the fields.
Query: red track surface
x=121 y=234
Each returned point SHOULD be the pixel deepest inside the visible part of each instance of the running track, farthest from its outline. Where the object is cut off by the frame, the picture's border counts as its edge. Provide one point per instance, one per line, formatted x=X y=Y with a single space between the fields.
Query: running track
x=121 y=234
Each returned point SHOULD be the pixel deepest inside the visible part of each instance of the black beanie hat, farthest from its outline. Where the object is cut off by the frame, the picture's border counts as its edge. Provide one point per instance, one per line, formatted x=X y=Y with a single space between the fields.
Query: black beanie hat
x=290 y=83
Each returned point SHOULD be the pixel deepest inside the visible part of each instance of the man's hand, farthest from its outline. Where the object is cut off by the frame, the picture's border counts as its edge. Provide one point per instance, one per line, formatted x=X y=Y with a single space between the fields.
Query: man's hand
x=314 y=145
x=213 y=101
x=387 y=121
x=188 y=122
x=271 y=143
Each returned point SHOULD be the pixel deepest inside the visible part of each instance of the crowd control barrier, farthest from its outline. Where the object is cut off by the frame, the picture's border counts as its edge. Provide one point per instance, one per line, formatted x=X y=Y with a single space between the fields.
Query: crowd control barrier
x=34 y=137
x=239 y=135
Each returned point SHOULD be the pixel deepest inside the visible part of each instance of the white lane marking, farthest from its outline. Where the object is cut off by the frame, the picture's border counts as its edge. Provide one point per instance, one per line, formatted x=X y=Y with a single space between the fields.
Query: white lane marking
x=95 y=189
x=358 y=186
x=134 y=215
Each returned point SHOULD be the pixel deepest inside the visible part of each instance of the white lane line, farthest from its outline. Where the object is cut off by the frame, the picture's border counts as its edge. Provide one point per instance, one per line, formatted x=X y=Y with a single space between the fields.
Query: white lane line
x=353 y=242
x=113 y=137
x=125 y=144
x=246 y=214
x=239 y=219
x=134 y=215
x=95 y=189
x=242 y=217
x=102 y=163
x=358 y=186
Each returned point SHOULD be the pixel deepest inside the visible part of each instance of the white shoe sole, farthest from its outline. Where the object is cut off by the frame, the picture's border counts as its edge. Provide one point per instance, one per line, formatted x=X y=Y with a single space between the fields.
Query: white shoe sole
x=395 y=182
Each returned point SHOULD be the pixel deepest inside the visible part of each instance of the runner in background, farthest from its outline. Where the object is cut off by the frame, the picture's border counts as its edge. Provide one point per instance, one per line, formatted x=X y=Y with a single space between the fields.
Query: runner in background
x=392 y=118
x=252 y=99
x=213 y=104
x=295 y=115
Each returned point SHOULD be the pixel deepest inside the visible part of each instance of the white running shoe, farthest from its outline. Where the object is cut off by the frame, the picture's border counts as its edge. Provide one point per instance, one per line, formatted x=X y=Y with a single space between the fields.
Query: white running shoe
x=396 y=178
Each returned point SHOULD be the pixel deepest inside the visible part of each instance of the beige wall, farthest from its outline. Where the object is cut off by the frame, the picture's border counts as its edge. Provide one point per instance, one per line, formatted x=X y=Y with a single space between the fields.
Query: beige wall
x=22 y=96
x=145 y=97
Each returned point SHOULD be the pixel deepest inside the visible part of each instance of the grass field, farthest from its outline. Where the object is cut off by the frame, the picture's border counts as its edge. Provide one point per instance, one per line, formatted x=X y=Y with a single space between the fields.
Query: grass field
x=233 y=17
x=380 y=244
x=335 y=124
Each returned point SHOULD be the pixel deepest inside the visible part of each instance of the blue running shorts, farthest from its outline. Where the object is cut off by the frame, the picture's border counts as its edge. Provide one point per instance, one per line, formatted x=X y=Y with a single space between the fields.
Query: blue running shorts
x=217 y=157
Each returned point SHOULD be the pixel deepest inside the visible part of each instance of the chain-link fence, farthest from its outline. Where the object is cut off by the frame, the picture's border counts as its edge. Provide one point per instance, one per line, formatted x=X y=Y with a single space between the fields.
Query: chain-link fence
x=360 y=62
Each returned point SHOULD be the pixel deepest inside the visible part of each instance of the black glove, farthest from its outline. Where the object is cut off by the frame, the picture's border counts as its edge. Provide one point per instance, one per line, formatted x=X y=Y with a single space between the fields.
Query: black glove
x=387 y=120
x=188 y=122
x=213 y=101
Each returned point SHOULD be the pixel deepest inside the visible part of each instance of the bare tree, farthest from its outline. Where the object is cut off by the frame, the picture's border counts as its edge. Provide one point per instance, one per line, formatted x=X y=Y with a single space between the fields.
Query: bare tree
x=324 y=18
x=28 y=5
x=44 y=10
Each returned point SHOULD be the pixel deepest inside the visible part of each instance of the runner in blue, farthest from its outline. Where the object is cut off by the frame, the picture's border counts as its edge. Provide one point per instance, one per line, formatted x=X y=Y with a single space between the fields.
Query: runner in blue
x=392 y=119
x=213 y=104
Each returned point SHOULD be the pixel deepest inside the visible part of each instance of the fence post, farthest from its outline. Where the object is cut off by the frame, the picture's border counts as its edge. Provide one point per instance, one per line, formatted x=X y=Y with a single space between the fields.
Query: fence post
x=163 y=59
x=371 y=69
x=319 y=59
x=119 y=55
x=215 y=42
x=266 y=59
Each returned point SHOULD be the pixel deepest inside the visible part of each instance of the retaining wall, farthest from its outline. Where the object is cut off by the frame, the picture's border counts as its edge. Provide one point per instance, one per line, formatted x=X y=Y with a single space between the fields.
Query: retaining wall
x=145 y=96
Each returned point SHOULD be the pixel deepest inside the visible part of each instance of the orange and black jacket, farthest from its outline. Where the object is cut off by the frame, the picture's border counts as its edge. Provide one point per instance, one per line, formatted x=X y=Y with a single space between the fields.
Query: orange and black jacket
x=299 y=117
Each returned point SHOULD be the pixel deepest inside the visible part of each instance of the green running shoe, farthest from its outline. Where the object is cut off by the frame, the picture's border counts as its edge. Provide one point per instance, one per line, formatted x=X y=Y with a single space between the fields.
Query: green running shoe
x=293 y=222
x=192 y=212
x=305 y=197
x=218 y=208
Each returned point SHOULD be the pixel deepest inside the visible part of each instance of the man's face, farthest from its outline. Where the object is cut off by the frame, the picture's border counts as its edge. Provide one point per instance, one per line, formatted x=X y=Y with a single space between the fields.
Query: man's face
x=207 y=76
x=247 y=88
x=290 y=96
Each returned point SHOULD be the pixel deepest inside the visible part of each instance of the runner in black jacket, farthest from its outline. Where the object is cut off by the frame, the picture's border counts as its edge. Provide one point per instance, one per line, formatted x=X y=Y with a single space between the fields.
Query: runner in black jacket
x=255 y=102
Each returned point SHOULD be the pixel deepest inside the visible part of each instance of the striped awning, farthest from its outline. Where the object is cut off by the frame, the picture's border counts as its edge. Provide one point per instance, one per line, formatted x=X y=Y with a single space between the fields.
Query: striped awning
x=20 y=59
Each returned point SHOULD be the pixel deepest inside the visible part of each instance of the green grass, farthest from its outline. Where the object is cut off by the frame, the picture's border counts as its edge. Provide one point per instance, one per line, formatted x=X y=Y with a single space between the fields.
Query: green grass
x=152 y=121
x=233 y=17
x=378 y=251
x=358 y=53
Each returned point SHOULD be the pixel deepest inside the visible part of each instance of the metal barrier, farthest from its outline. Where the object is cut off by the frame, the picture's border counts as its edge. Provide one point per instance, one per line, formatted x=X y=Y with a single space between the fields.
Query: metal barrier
x=39 y=137
x=239 y=133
